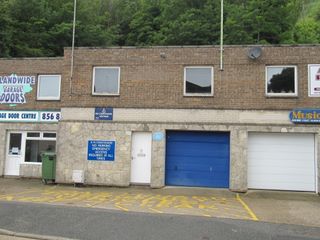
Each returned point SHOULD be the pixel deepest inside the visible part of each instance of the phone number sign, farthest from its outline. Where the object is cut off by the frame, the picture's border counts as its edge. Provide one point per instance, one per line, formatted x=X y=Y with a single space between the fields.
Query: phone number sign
x=99 y=150
x=50 y=116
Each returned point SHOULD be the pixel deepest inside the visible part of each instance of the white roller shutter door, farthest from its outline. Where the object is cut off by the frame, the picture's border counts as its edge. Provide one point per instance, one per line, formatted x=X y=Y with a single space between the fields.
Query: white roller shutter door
x=281 y=161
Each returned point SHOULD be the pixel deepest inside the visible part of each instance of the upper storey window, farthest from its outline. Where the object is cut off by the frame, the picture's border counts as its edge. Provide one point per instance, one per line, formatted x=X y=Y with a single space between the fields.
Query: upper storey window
x=198 y=81
x=49 y=87
x=106 y=81
x=281 y=81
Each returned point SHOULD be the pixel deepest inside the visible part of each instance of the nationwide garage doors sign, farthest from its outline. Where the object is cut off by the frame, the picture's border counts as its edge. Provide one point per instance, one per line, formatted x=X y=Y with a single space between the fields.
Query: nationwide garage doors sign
x=13 y=88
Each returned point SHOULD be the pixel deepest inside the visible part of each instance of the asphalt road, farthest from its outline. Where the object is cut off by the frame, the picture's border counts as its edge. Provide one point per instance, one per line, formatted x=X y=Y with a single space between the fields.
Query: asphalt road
x=93 y=223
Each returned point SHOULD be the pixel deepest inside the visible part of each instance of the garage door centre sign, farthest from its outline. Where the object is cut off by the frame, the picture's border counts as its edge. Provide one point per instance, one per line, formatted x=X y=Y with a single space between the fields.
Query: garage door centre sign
x=30 y=116
x=13 y=88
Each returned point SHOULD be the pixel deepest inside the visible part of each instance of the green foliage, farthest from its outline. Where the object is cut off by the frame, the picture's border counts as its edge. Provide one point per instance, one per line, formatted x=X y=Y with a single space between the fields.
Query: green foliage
x=5 y=29
x=44 y=27
x=190 y=26
x=307 y=28
x=307 y=31
x=260 y=21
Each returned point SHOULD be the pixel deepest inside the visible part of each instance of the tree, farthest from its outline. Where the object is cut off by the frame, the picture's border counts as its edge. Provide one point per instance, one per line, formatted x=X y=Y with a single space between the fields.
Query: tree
x=189 y=22
x=5 y=29
x=307 y=31
x=260 y=21
x=44 y=27
x=144 y=24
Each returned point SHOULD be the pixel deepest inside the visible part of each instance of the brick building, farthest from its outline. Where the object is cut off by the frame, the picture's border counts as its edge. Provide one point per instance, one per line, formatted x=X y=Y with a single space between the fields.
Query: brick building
x=166 y=116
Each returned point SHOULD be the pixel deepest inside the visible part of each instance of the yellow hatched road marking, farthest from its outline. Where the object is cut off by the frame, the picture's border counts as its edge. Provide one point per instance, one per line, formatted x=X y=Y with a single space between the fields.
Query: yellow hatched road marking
x=251 y=213
x=196 y=204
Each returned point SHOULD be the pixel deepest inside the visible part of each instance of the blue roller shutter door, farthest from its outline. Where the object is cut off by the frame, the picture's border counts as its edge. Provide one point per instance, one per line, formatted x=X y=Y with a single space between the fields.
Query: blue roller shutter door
x=198 y=159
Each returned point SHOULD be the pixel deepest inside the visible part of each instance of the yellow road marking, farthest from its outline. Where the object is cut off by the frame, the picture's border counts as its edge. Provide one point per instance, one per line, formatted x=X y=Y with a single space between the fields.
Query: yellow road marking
x=6 y=197
x=251 y=213
x=21 y=193
x=207 y=206
x=147 y=201
x=122 y=208
x=155 y=210
x=206 y=215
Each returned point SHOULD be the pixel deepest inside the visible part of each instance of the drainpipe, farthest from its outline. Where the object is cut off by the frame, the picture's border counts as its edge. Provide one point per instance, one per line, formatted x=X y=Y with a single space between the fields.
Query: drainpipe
x=72 y=48
x=221 y=38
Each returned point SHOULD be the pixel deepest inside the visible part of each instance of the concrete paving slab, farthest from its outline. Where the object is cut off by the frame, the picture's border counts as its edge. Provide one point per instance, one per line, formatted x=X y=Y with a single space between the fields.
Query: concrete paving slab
x=299 y=208
x=6 y=237
x=10 y=235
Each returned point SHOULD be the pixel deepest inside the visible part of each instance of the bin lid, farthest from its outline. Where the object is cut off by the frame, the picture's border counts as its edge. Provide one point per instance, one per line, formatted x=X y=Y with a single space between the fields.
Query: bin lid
x=48 y=153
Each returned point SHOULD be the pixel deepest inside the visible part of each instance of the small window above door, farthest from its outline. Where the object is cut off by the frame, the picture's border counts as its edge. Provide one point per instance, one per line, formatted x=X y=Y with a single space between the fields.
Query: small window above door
x=33 y=134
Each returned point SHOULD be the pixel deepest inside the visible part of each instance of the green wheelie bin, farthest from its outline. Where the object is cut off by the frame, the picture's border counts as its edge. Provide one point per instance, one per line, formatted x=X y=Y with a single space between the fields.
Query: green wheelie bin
x=48 y=166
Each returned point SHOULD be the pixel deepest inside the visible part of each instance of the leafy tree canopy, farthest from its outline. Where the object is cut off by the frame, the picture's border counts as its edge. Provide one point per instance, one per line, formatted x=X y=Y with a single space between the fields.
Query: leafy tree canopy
x=43 y=27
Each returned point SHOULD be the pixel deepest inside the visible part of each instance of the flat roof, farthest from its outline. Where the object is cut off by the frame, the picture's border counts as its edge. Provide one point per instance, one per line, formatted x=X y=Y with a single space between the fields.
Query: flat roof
x=199 y=46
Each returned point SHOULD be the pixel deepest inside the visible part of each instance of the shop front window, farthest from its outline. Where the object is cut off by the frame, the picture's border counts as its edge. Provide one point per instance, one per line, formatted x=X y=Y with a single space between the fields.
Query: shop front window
x=38 y=142
x=34 y=148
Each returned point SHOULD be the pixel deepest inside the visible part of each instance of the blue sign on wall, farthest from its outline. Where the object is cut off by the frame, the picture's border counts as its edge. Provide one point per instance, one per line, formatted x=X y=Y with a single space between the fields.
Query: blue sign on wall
x=157 y=136
x=99 y=150
x=103 y=113
x=305 y=116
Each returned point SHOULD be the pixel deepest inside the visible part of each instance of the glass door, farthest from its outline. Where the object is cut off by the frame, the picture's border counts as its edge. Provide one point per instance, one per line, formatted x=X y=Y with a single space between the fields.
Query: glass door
x=15 y=153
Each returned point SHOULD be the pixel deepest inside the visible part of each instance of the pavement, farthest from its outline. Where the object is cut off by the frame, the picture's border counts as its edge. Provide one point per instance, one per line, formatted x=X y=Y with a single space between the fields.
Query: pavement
x=266 y=206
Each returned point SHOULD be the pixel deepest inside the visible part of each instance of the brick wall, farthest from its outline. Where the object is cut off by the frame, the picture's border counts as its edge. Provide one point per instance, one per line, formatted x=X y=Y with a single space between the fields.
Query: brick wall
x=151 y=81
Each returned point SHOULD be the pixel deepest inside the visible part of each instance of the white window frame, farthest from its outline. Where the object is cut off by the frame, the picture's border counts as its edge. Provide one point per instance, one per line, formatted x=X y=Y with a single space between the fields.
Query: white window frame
x=93 y=81
x=38 y=86
x=309 y=81
x=295 y=94
x=198 y=94
x=25 y=138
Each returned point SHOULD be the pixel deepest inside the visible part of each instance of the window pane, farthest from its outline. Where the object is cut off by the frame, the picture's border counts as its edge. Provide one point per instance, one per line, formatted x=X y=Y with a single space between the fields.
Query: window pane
x=49 y=135
x=198 y=80
x=15 y=144
x=49 y=86
x=281 y=79
x=33 y=134
x=34 y=148
x=106 y=80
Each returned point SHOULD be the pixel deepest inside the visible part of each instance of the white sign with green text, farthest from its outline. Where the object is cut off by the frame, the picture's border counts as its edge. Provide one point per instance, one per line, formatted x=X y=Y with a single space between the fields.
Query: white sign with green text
x=13 y=88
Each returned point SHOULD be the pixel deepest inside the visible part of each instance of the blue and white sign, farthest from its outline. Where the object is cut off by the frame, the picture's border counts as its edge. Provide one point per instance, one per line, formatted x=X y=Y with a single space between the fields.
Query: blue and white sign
x=100 y=150
x=305 y=116
x=50 y=116
x=30 y=116
x=103 y=114
x=13 y=88
x=157 y=136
